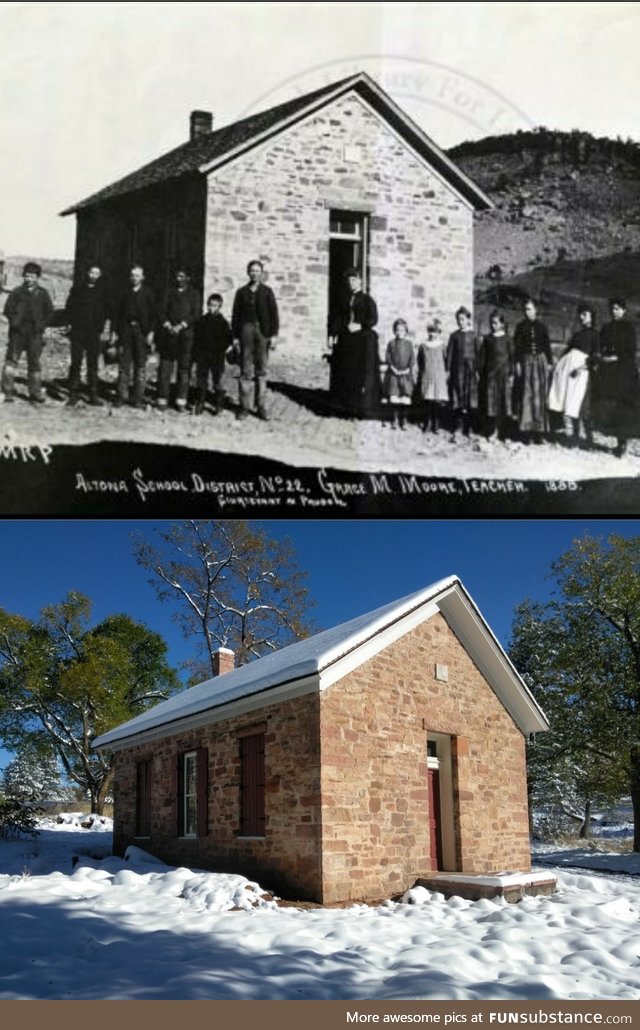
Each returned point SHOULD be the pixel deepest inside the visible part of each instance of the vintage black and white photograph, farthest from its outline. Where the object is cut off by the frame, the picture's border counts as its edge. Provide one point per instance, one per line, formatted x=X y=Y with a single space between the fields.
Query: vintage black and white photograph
x=319 y=259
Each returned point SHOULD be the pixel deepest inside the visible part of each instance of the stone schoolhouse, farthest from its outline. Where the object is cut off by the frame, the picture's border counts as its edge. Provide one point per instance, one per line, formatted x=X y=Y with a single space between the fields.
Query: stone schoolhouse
x=345 y=766
x=336 y=178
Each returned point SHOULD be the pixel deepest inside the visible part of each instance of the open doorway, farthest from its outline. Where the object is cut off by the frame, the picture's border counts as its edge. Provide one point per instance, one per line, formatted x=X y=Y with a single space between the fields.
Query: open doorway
x=348 y=246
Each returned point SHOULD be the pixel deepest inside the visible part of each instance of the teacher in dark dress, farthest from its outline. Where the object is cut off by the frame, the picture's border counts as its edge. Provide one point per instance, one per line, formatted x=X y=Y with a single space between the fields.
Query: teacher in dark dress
x=355 y=362
x=615 y=381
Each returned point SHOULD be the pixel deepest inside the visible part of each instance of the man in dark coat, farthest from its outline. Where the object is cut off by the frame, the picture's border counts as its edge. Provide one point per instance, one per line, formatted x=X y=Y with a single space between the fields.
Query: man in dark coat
x=28 y=310
x=255 y=325
x=175 y=346
x=87 y=312
x=355 y=361
x=134 y=325
x=616 y=380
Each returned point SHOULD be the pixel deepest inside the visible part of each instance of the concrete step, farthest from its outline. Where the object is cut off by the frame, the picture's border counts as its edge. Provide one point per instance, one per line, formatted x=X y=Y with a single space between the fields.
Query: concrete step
x=512 y=886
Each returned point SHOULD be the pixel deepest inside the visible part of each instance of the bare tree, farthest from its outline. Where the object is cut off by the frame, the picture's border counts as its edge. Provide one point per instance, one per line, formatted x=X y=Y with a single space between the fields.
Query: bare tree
x=234 y=587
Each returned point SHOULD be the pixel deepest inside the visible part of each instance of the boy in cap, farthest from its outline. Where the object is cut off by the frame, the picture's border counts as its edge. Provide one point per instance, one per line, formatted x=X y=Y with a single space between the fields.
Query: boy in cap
x=182 y=310
x=28 y=310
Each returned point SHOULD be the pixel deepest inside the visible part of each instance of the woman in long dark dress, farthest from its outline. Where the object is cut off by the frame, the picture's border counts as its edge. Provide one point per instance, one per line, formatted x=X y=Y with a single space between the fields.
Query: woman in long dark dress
x=355 y=361
x=496 y=367
x=615 y=392
x=533 y=362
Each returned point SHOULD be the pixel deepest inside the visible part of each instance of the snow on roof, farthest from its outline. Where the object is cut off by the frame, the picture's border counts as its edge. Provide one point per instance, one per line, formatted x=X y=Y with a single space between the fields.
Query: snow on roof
x=304 y=658
x=311 y=656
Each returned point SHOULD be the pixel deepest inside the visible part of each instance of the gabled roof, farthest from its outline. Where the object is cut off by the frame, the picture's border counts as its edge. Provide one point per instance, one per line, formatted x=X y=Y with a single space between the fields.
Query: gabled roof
x=207 y=152
x=321 y=660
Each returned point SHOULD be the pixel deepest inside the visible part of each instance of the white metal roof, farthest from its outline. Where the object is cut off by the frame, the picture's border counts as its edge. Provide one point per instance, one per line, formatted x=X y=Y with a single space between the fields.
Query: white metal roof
x=320 y=660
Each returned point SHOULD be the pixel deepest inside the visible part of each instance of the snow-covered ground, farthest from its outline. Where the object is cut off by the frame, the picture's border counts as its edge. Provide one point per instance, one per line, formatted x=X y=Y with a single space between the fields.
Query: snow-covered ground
x=137 y=929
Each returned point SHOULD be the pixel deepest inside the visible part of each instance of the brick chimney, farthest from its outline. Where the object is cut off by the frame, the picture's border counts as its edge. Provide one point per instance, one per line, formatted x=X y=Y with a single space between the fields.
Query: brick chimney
x=200 y=123
x=224 y=660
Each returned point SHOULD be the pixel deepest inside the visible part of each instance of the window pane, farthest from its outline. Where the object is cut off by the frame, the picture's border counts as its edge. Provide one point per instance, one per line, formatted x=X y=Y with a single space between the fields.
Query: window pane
x=350 y=226
x=190 y=816
x=190 y=774
x=346 y=224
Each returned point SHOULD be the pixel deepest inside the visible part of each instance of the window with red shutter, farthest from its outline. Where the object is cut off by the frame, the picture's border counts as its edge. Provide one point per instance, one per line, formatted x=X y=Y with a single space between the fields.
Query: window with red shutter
x=143 y=798
x=252 y=809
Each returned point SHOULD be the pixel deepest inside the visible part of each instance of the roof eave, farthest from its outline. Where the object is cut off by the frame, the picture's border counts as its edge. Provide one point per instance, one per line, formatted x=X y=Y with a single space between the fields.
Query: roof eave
x=457 y=607
x=483 y=201
x=456 y=178
x=479 y=640
x=454 y=175
x=274 y=130
x=209 y=716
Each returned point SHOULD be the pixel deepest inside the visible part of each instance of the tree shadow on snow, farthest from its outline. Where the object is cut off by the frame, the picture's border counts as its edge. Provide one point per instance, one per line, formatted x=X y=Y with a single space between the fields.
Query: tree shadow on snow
x=85 y=947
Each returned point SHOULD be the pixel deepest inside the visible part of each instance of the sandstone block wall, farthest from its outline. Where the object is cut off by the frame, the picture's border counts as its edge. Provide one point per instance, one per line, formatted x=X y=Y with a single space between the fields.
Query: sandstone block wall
x=288 y=857
x=275 y=202
x=374 y=770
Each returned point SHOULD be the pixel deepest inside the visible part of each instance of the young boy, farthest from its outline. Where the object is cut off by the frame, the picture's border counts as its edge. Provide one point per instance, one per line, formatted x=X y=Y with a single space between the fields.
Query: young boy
x=28 y=310
x=212 y=337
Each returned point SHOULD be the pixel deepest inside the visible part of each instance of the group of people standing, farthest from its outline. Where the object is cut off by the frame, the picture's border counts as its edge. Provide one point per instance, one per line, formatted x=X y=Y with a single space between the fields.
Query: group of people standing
x=500 y=385
x=133 y=325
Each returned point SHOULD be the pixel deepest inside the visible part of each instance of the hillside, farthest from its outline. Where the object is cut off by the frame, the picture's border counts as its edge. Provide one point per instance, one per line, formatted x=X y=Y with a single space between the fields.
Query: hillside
x=558 y=197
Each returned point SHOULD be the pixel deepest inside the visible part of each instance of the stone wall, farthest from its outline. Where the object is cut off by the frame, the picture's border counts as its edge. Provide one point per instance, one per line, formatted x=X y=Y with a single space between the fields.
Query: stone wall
x=274 y=203
x=288 y=857
x=374 y=770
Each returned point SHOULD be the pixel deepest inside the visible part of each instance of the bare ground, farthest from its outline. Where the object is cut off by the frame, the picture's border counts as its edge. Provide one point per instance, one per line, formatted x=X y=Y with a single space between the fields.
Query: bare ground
x=303 y=431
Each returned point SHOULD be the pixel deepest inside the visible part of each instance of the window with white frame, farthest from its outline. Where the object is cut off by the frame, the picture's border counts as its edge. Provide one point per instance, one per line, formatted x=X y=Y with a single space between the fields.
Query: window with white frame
x=190 y=794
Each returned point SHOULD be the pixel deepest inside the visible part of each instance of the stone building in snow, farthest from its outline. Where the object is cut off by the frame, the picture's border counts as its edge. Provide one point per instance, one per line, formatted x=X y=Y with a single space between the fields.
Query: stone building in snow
x=346 y=766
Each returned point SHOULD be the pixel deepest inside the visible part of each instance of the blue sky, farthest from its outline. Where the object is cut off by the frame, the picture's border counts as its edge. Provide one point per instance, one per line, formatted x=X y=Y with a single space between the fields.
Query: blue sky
x=353 y=566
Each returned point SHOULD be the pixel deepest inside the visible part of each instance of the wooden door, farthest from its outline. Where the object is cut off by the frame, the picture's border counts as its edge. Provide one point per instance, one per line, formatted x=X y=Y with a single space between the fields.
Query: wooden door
x=435 y=831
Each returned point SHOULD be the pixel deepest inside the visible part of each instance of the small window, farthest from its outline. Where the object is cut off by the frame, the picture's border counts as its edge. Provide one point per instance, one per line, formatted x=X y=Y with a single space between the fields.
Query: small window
x=252 y=808
x=143 y=798
x=192 y=793
x=346 y=225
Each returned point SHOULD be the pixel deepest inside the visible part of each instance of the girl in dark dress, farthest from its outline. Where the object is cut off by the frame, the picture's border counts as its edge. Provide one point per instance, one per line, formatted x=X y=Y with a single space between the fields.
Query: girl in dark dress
x=533 y=362
x=496 y=367
x=462 y=368
x=615 y=393
x=397 y=387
